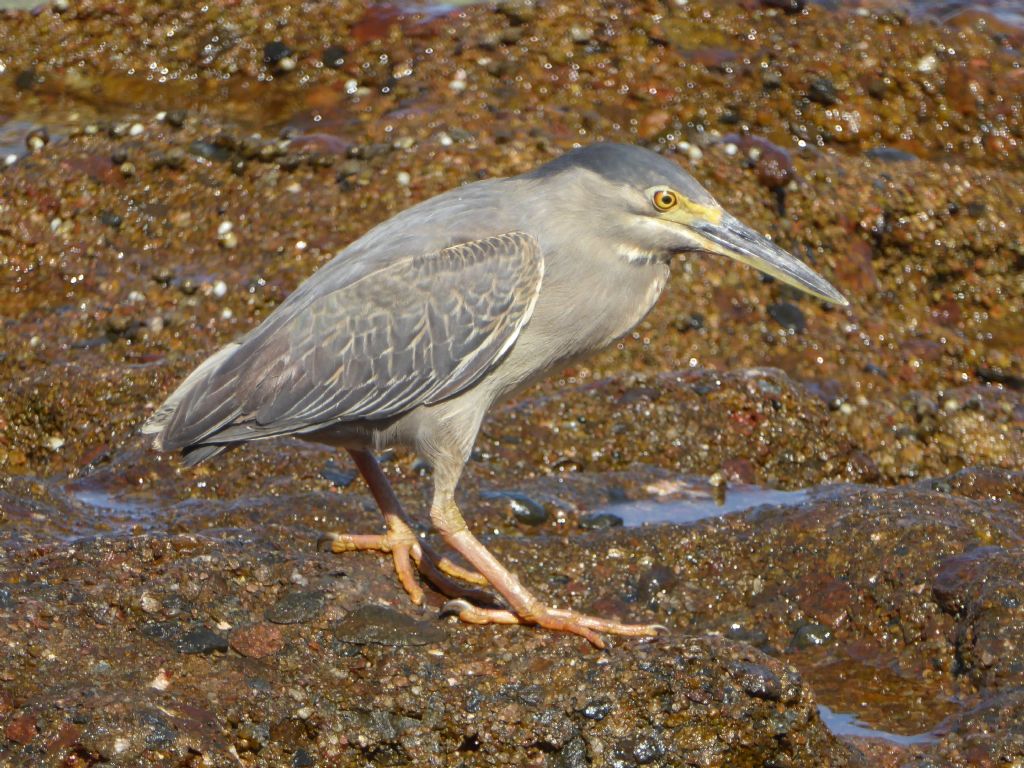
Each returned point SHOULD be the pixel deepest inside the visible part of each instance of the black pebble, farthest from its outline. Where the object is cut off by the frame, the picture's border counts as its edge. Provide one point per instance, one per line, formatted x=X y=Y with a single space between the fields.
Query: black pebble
x=789 y=316
x=275 y=51
x=596 y=521
x=297 y=607
x=334 y=56
x=822 y=91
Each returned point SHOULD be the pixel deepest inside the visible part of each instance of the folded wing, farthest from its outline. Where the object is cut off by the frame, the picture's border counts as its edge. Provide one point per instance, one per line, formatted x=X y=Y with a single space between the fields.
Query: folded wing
x=412 y=333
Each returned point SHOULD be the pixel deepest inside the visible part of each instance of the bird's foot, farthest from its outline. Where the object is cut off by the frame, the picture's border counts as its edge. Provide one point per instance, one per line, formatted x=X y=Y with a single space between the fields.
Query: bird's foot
x=555 y=619
x=407 y=551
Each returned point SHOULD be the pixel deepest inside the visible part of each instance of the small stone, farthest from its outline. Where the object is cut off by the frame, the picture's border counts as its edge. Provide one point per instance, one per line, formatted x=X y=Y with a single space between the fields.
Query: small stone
x=927 y=63
x=21 y=730
x=789 y=316
x=789 y=6
x=597 y=709
x=524 y=509
x=201 y=640
x=598 y=521
x=297 y=607
x=175 y=117
x=335 y=475
x=219 y=289
x=161 y=682
x=334 y=57
x=136 y=129
x=811 y=635
x=275 y=52
x=821 y=90
x=37 y=139
x=215 y=153
x=380 y=625
x=149 y=603
x=257 y=641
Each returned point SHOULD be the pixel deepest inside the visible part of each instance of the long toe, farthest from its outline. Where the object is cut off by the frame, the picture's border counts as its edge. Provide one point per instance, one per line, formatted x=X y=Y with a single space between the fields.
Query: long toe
x=554 y=619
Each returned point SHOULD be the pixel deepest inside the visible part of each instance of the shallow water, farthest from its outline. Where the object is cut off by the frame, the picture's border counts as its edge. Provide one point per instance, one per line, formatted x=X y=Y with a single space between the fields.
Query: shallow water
x=697 y=502
x=847 y=724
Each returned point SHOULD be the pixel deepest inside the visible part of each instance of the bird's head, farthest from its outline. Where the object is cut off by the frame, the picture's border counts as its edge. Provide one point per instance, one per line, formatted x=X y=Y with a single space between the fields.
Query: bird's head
x=651 y=209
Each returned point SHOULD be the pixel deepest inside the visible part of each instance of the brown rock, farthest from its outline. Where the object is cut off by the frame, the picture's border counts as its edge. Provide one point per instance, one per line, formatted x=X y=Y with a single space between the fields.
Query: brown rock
x=257 y=641
x=21 y=730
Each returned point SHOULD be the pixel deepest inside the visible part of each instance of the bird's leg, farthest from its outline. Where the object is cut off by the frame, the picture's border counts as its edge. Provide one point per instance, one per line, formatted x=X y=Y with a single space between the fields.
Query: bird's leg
x=401 y=541
x=525 y=608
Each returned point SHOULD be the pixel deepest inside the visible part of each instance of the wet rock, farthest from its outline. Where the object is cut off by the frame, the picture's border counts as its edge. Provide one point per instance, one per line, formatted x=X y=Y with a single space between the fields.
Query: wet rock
x=380 y=625
x=257 y=641
x=7 y=601
x=958 y=576
x=297 y=607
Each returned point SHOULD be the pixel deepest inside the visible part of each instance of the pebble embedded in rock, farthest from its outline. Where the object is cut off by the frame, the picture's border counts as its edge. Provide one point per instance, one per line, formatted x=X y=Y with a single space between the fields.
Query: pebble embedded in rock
x=297 y=607
x=257 y=641
x=200 y=639
x=380 y=625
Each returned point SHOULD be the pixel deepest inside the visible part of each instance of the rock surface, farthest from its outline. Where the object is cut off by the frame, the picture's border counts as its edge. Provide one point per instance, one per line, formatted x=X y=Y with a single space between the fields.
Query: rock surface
x=840 y=492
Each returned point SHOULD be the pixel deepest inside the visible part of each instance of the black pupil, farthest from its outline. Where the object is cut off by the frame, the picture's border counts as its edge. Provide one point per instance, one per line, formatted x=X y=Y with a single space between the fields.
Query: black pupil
x=666 y=199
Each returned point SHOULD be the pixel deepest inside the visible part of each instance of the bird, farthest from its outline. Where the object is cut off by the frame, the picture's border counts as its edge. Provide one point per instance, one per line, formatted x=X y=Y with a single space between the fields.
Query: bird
x=411 y=333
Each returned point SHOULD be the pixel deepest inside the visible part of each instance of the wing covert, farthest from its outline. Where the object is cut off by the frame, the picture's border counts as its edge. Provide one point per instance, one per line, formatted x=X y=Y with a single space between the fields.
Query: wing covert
x=415 y=332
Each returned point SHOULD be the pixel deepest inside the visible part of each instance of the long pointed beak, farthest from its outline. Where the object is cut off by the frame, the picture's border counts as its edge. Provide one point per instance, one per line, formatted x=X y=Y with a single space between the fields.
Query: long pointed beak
x=730 y=237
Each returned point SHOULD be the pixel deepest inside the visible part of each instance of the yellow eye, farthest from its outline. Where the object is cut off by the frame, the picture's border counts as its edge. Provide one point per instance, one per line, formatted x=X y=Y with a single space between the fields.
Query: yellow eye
x=665 y=199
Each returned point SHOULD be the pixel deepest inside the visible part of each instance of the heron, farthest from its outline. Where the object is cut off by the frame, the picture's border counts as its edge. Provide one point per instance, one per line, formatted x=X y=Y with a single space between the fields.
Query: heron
x=410 y=334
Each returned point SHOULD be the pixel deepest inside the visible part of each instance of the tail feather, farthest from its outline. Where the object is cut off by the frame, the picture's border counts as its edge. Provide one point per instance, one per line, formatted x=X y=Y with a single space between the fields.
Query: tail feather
x=161 y=424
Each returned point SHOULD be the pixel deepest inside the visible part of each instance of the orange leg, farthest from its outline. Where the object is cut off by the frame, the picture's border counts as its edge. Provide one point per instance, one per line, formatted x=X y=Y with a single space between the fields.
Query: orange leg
x=525 y=608
x=402 y=542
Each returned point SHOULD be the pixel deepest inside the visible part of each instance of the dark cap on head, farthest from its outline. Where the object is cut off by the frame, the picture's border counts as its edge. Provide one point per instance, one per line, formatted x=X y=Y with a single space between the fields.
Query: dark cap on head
x=629 y=165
